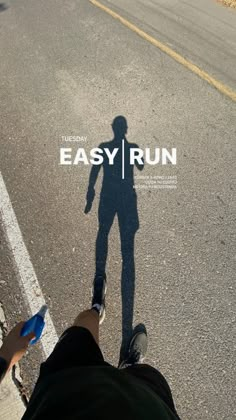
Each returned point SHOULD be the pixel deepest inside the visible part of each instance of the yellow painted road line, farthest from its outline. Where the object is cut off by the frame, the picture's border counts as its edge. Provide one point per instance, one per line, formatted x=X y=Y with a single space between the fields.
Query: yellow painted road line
x=173 y=54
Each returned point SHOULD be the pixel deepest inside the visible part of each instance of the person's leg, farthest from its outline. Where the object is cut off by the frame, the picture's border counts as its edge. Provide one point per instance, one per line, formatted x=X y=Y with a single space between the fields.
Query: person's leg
x=89 y=319
x=155 y=381
x=77 y=346
x=133 y=365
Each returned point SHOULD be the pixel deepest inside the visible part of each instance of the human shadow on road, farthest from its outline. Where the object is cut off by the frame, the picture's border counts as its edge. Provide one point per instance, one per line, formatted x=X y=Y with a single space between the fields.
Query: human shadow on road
x=117 y=197
x=3 y=7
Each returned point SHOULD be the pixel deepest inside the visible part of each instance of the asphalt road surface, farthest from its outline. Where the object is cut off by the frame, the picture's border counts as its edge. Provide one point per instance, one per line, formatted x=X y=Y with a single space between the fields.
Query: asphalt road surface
x=69 y=68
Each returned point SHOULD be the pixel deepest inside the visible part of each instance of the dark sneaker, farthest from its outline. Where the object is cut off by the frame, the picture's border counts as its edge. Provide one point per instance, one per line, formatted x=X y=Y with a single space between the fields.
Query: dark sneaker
x=98 y=295
x=137 y=349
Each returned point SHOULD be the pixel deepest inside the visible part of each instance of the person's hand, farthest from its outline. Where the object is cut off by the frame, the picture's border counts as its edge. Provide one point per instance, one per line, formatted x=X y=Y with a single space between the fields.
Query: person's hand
x=90 y=197
x=14 y=346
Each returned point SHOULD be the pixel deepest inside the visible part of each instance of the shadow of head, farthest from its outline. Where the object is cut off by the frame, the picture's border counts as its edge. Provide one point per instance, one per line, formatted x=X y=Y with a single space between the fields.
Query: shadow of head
x=3 y=7
x=119 y=127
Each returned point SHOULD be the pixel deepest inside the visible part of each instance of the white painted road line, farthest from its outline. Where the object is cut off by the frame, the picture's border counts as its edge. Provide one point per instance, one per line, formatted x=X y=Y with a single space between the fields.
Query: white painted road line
x=28 y=281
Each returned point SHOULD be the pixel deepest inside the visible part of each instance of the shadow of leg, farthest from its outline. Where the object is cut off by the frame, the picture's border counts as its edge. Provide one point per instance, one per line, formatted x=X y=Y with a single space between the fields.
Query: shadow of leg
x=127 y=289
x=106 y=214
x=101 y=250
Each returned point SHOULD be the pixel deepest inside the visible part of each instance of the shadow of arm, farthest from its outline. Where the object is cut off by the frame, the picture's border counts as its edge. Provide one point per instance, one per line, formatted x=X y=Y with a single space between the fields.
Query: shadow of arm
x=91 y=191
x=139 y=166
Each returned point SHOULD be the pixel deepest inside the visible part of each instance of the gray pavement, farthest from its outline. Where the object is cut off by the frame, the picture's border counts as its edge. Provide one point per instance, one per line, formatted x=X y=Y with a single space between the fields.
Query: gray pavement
x=203 y=31
x=69 y=69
